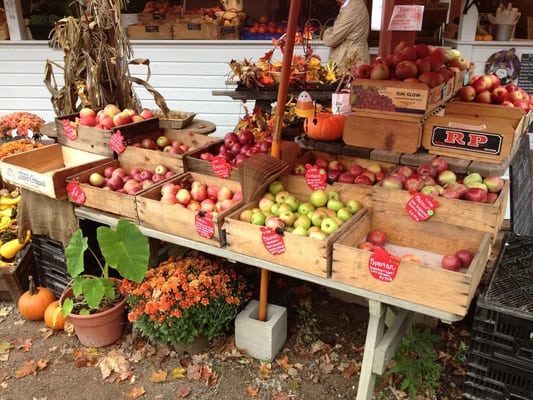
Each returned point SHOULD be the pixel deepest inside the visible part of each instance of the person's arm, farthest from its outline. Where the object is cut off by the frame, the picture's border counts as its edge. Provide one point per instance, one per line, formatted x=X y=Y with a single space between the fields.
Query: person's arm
x=343 y=25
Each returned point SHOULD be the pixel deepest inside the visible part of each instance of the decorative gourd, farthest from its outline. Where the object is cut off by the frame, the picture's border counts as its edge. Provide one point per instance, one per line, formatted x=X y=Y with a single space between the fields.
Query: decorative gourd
x=325 y=126
x=32 y=304
x=53 y=317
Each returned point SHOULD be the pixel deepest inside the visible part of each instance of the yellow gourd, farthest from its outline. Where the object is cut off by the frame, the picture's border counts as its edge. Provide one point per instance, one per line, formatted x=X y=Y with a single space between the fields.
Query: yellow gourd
x=10 y=249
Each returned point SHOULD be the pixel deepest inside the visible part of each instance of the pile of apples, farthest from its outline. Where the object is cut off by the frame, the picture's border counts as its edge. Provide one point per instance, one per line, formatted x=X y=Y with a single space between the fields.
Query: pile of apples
x=337 y=171
x=488 y=89
x=238 y=146
x=420 y=63
x=111 y=116
x=197 y=195
x=454 y=262
x=436 y=179
x=119 y=179
x=317 y=217
x=165 y=144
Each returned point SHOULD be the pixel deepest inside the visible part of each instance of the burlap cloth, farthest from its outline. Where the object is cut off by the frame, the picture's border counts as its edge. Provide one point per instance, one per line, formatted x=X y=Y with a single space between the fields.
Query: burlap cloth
x=46 y=216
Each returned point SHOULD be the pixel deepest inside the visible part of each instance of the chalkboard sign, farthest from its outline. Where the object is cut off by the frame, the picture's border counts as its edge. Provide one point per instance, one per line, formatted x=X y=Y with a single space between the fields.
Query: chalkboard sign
x=525 y=78
x=521 y=205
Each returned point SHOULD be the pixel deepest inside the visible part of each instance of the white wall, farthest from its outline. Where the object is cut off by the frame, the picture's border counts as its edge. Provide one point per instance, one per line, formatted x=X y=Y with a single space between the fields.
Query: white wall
x=184 y=72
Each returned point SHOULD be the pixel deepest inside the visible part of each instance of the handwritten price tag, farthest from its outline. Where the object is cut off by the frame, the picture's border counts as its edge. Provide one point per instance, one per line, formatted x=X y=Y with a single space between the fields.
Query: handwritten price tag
x=382 y=265
x=220 y=167
x=272 y=241
x=76 y=192
x=421 y=207
x=203 y=222
x=116 y=142
x=315 y=177
x=70 y=130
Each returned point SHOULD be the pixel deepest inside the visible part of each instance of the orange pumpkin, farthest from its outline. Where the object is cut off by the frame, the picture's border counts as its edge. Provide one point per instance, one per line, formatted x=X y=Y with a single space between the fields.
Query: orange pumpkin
x=53 y=317
x=325 y=126
x=32 y=304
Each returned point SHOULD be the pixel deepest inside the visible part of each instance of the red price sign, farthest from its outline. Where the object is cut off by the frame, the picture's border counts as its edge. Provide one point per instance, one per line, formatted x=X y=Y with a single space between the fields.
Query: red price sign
x=76 y=192
x=421 y=207
x=204 y=225
x=382 y=266
x=272 y=241
x=315 y=177
x=220 y=167
x=70 y=130
x=116 y=142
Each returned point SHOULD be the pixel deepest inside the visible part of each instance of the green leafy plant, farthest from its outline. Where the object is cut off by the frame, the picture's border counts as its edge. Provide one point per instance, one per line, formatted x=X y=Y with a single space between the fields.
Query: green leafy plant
x=414 y=362
x=124 y=249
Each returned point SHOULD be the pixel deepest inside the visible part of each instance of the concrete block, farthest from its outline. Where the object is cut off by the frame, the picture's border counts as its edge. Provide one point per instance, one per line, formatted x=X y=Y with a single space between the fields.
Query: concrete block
x=262 y=340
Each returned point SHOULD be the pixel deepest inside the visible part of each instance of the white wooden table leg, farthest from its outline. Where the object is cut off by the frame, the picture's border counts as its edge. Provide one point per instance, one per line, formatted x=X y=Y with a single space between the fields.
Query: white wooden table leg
x=374 y=333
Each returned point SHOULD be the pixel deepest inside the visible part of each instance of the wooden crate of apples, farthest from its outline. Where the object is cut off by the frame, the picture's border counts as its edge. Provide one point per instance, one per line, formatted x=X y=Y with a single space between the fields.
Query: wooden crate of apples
x=433 y=264
x=471 y=200
x=190 y=205
x=292 y=225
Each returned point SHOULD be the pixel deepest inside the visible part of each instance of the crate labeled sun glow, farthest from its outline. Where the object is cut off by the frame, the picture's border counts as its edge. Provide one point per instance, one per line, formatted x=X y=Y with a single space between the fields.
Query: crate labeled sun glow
x=177 y=209
x=303 y=252
x=419 y=277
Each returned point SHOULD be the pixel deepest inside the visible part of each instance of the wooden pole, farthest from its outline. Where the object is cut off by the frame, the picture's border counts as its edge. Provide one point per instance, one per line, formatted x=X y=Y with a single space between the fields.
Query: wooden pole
x=283 y=90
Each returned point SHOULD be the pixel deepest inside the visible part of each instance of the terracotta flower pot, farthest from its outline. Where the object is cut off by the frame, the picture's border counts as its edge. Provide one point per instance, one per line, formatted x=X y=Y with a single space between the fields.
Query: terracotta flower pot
x=101 y=329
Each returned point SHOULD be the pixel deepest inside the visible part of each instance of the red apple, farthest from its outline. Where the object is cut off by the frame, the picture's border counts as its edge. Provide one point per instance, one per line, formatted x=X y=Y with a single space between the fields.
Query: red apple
x=499 y=94
x=451 y=262
x=482 y=83
x=406 y=69
x=377 y=238
x=476 y=194
x=363 y=71
x=439 y=164
x=345 y=177
x=467 y=93
x=380 y=72
x=422 y=50
x=432 y=79
x=484 y=97
x=423 y=65
x=465 y=257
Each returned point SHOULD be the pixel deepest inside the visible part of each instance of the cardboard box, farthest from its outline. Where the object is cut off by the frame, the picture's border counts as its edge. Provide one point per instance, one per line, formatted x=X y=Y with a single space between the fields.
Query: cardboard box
x=150 y=31
x=475 y=131
x=14 y=279
x=303 y=253
x=178 y=220
x=96 y=140
x=390 y=131
x=426 y=282
x=469 y=214
x=46 y=169
x=200 y=29
x=398 y=96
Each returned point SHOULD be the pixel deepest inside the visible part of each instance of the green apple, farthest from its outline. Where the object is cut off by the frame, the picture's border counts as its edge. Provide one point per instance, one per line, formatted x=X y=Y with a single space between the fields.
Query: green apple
x=275 y=186
x=258 y=218
x=333 y=195
x=471 y=178
x=292 y=201
x=281 y=196
x=317 y=217
x=275 y=209
x=334 y=204
x=318 y=198
x=329 y=225
x=317 y=235
x=354 y=206
x=287 y=217
x=305 y=207
x=302 y=220
x=344 y=214
x=270 y=196
x=338 y=220
x=284 y=207
x=246 y=215
x=480 y=185
x=300 y=231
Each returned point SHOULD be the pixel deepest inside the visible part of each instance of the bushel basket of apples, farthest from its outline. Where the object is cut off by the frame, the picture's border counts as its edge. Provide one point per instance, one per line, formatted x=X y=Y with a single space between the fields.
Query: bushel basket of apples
x=432 y=264
x=470 y=200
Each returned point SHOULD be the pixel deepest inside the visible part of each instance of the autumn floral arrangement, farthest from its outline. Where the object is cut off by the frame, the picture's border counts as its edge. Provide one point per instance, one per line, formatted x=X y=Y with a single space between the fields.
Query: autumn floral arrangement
x=22 y=122
x=184 y=298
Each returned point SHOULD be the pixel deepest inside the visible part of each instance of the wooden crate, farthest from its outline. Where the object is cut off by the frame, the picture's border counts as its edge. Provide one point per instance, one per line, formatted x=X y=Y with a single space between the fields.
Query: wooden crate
x=475 y=131
x=14 y=279
x=178 y=220
x=389 y=131
x=194 y=163
x=469 y=214
x=425 y=283
x=152 y=158
x=229 y=32
x=187 y=29
x=46 y=169
x=96 y=140
x=302 y=253
x=150 y=31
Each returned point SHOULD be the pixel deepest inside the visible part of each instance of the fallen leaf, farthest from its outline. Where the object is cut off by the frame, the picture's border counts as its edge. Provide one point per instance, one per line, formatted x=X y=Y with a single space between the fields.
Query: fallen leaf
x=42 y=364
x=4 y=350
x=135 y=393
x=158 y=377
x=317 y=346
x=22 y=344
x=179 y=373
x=252 y=391
x=29 y=367
x=208 y=375
x=283 y=362
x=5 y=311
x=113 y=362
x=194 y=372
x=265 y=370
x=183 y=392
x=350 y=370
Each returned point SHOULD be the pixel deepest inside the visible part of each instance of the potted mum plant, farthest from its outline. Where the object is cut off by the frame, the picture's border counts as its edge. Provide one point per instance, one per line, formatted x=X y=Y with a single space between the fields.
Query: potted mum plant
x=186 y=298
x=94 y=306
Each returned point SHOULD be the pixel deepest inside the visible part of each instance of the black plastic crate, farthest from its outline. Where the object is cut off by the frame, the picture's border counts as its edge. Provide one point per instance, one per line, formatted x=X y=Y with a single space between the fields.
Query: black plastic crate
x=488 y=378
x=50 y=264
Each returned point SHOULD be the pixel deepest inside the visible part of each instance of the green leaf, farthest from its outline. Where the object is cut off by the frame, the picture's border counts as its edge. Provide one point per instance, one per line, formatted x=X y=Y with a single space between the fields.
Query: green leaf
x=67 y=306
x=74 y=253
x=125 y=249
x=93 y=291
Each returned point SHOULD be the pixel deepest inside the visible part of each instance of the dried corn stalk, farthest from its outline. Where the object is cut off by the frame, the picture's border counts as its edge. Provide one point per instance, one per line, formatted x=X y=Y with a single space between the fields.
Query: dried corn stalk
x=96 y=56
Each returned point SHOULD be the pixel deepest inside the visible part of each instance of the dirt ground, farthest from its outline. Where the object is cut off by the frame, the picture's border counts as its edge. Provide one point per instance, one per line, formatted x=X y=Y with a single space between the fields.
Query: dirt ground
x=320 y=360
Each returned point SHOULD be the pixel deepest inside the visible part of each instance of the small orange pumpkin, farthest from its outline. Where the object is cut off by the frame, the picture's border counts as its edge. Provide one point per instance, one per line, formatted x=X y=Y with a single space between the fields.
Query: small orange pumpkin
x=32 y=304
x=53 y=316
x=325 y=126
